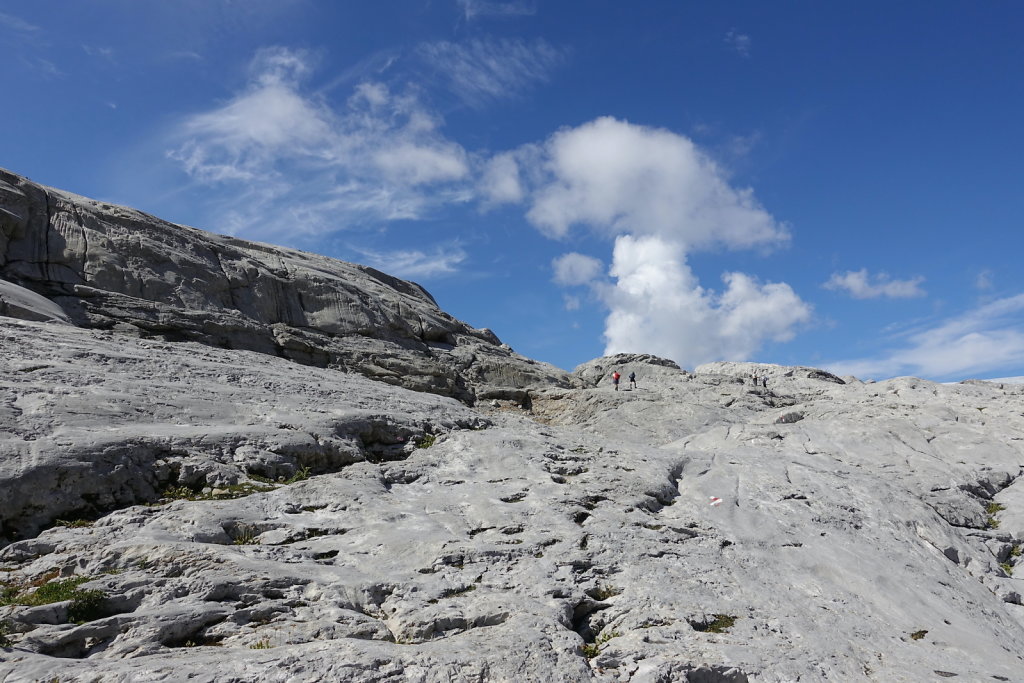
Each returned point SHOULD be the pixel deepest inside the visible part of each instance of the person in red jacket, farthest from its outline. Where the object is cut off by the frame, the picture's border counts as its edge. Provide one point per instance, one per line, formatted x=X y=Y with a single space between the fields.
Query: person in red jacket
x=615 y=379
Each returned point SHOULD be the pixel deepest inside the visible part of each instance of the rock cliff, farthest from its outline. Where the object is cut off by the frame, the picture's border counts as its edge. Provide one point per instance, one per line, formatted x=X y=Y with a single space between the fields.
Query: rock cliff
x=175 y=505
x=111 y=267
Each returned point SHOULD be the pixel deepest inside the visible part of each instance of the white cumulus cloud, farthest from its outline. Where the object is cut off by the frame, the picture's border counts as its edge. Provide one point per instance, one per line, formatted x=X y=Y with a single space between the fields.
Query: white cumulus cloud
x=860 y=285
x=658 y=306
x=660 y=198
x=617 y=177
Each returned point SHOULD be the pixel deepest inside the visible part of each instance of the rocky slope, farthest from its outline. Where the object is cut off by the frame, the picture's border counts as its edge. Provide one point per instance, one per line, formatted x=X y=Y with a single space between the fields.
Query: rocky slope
x=174 y=510
x=111 y=267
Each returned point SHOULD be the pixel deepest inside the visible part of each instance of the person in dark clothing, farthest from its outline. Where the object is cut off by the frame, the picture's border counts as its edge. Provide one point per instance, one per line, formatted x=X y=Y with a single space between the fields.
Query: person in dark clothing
x=632 y=380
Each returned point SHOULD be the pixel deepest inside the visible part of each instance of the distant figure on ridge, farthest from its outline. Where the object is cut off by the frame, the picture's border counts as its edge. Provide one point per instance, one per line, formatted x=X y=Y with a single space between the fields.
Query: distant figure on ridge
x=632 y=380
x=615 y=379
x=764 y=381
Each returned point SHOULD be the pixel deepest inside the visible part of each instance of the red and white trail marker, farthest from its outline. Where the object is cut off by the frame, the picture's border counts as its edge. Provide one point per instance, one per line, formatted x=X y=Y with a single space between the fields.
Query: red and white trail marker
x=715 y=500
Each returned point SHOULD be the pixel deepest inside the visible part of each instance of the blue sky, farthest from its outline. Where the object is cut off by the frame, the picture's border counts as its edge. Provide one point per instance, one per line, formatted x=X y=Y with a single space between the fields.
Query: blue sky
x=832 y=184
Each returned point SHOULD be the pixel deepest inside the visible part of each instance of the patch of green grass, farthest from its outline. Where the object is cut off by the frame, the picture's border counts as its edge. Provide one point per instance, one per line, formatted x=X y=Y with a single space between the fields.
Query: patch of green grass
x=426 y=441
x=5 y=630
x=591 y=650
x=1016 y=550
x=242 y=490
x=918 y=635
x=73 y=523
x=85 y=604
x=8 y=592
x=457 y=592
x=992 y=509
x=1007 y=567
x=301 y=475
x=245 y=535
x=720 y=624
x=180 y=493
x=227 y=492
x=261 y=645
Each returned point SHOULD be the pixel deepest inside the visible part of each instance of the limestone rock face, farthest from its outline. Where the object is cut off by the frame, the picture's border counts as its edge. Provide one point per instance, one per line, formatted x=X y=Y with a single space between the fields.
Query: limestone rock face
x=243 y=517
x=174 y=510
x=18 y=302
x=110 y=267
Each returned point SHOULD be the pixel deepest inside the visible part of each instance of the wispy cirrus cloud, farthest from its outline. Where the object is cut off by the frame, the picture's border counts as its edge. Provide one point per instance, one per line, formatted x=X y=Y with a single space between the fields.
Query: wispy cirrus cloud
x=9 y=21
x=984 y=281
x=861 y=285
x=481 y=71
x=472 y=9
x=290 y=154
x=740 y=42
x=416 y=263
x=26 y=43
x=99 y=51
x=984 y=340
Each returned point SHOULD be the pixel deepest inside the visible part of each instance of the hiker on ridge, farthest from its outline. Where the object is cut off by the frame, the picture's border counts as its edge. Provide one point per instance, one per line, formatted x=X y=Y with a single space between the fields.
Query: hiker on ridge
x=632 y=380
x=615 y=379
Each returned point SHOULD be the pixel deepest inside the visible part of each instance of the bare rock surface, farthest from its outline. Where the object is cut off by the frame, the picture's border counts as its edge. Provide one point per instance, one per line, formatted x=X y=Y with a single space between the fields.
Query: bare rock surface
x=112 y=267
x=171 y=510
x=674 y=532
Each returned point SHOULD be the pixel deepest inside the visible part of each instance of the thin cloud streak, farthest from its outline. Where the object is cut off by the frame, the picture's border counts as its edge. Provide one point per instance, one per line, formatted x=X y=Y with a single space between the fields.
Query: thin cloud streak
x=472 y=9
x=415 y=263
x=861 y=285
x=480 y=72
x=17 y=24
x=982 y=341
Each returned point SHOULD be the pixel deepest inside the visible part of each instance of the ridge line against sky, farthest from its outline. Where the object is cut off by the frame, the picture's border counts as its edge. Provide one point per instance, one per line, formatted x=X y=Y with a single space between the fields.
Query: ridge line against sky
x=833 y=188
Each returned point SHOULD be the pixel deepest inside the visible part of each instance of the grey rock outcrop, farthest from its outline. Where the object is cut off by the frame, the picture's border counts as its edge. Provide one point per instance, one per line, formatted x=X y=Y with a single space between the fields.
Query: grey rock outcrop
x=672 y=533
x=111 y=267
x=173 y=510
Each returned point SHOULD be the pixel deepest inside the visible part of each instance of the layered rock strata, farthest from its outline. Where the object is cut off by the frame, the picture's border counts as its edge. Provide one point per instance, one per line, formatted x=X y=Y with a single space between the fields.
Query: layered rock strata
x=111 y=267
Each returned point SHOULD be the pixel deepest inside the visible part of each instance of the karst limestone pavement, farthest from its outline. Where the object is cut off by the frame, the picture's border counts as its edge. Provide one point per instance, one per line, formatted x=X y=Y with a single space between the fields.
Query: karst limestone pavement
x=280 y=467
